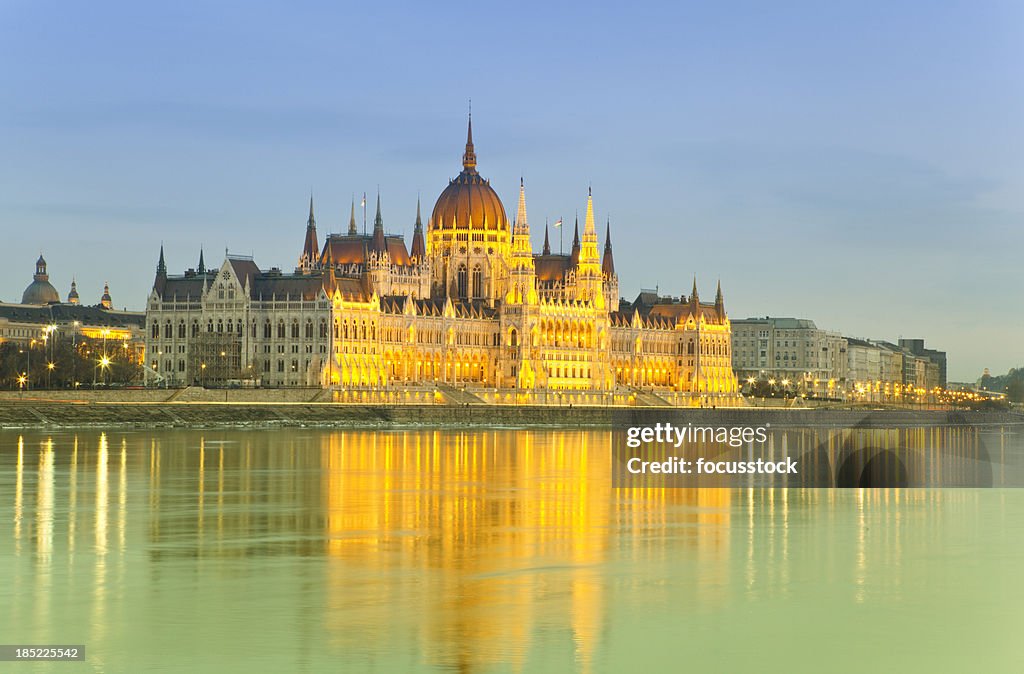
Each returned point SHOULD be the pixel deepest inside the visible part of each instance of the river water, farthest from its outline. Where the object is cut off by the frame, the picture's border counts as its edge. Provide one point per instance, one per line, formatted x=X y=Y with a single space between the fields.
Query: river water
x=483 y=551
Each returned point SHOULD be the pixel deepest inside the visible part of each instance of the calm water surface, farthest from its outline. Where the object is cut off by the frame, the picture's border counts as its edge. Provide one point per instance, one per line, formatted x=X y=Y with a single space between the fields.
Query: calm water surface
x=483 y=551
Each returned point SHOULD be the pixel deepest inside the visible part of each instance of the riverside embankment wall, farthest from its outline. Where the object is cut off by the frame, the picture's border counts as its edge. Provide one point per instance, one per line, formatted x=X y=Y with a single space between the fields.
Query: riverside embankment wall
x=139 y=414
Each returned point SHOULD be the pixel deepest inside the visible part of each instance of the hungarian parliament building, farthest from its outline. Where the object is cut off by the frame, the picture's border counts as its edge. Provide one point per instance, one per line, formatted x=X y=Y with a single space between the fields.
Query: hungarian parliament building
x=468 y=309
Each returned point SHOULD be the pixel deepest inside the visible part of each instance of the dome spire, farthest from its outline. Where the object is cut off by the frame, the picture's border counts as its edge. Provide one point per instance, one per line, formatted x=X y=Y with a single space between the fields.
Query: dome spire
x=469 y=158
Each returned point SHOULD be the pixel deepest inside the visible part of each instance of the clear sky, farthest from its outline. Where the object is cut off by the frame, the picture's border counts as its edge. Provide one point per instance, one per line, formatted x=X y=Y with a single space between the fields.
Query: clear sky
x=859 y=164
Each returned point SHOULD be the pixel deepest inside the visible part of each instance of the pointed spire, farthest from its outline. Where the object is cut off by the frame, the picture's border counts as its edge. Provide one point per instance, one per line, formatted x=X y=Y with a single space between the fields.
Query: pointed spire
x=694 y=297
x=547 y=244
x=309 y=259
x=469 y=158
x=352 y=219
x=419 y=250
x=379 y=244
x=161 y=266
x=521 y=222
x=719 y=300
x=575 y=252
x=202 y=265
x=608 y=262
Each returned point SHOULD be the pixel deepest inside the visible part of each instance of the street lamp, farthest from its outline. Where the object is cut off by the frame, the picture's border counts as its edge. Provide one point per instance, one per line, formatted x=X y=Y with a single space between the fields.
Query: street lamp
x=103 y=364
x=49 y=371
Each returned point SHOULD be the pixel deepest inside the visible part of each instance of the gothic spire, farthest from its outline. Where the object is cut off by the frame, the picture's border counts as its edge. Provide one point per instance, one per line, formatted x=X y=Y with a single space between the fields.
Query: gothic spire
x=608 y=262
x=575 y=252
x=161 y=267
x=547 y=244
x=588 y=252
x=310 y=248
x=694 y=297
x=352 y=219
x=379 y=244
x=521 y=222
x=202 y=265
x=720 y=300
x=419 y=250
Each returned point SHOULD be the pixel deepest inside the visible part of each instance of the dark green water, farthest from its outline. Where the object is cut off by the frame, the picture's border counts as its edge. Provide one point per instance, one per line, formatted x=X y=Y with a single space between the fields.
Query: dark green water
x=483 y=551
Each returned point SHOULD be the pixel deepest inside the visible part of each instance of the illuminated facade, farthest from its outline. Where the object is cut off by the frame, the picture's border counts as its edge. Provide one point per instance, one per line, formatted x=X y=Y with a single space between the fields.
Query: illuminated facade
x=468 y=308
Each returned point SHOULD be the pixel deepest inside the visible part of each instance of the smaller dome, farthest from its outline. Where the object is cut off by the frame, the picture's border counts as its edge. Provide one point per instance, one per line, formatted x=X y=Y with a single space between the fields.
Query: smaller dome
x=40 y=292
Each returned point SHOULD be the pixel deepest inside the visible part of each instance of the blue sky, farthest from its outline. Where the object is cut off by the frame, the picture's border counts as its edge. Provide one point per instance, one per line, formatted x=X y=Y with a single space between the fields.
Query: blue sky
x=860 y=164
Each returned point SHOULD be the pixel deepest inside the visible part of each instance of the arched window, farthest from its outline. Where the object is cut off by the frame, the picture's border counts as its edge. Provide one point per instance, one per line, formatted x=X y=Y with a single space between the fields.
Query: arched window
x=209 y=325
x=181 y=330
x=280 y=329
x=461 y=281
x=167 y=330
x=267 y=331
x=195 y=328
x=323 y=328
x=478 y=282
x=155 y=331
x=309 y=329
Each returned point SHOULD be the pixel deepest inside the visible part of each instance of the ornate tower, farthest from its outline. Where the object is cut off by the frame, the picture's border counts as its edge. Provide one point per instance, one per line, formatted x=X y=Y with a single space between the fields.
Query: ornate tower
x=589 y=280
x=73 y=295
x=522 y=279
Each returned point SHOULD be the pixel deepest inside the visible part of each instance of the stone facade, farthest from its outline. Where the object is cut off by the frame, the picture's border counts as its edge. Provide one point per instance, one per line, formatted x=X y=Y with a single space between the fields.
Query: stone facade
x=469 y=305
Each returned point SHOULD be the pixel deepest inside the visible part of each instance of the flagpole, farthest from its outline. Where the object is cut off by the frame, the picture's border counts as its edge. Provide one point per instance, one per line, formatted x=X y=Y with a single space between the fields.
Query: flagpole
x=560 y=221
x=364 y=213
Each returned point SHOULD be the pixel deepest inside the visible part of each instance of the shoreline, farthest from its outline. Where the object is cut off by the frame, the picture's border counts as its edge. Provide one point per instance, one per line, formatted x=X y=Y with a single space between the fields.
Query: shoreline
x=37 y=415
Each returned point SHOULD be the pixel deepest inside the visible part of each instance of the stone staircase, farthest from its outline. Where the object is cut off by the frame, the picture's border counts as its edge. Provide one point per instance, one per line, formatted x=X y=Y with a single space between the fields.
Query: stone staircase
x=649 y=399
x=457 y=396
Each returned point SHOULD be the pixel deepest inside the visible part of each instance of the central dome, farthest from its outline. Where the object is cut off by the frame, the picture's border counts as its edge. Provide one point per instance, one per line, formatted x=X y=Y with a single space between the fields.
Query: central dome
x=469 y=202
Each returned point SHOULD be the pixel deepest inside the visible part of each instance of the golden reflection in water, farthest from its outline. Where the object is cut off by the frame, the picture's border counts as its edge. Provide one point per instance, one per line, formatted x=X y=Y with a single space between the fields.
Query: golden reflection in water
x=19 y=486
x=44 y=535
x=99 y=603
x=499 y=525
x=72 y=502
